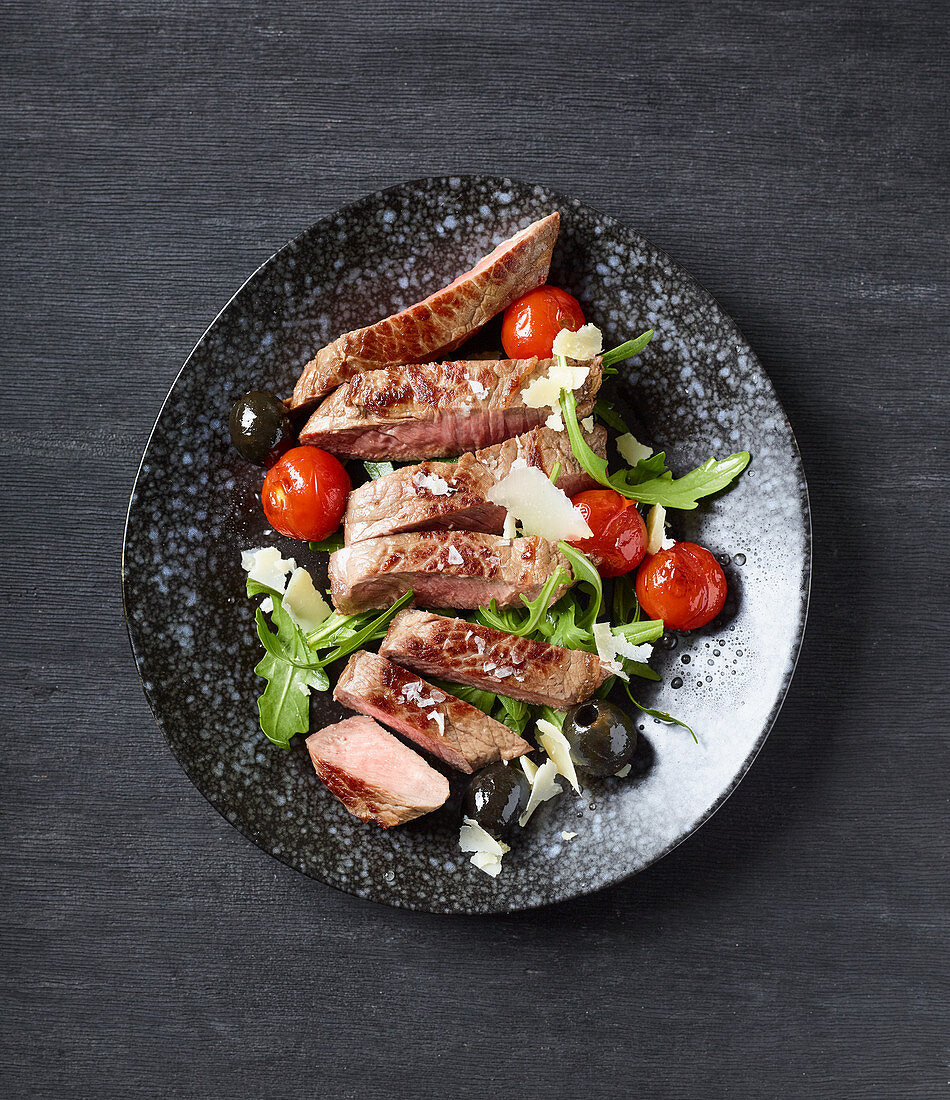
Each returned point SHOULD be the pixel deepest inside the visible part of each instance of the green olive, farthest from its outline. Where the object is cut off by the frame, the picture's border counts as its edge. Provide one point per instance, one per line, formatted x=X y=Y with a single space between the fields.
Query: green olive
x=260 y=427
x=495 y=797
x=602 y=738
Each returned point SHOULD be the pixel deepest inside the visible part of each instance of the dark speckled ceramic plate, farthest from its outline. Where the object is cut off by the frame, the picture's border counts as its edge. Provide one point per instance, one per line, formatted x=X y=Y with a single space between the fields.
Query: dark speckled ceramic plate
x=698 y=389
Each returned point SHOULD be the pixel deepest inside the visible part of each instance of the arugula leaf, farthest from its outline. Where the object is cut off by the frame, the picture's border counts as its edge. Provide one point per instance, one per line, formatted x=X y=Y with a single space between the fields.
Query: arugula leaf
x=514 y=713
x=378 y=469
x=508 y=620
x=661 y=715
x=478 y=697
x=555 y=472
x=682 y=493
x=625 y=607
x=333 y=542
x=374 y=629
x=561 y=626
x=639 y=633
x=627 y=349
x=284 y=705
x=585 y=573
x=610 y=416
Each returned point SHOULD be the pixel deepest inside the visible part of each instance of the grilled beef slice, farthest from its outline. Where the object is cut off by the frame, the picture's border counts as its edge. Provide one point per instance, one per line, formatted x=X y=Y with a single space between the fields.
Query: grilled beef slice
x=374 y=775
x=444 y=569
x=449 y=728
x=435 y=496
x=435 y=410
x=467 y=653
x=441 y=322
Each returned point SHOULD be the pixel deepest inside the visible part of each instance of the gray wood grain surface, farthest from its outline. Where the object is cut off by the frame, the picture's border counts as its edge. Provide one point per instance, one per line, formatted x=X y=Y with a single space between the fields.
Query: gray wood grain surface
x=794 y=158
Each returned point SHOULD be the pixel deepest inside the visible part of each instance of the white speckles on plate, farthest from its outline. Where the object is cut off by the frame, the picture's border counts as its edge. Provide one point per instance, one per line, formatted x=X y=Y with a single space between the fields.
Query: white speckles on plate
x=195 y=506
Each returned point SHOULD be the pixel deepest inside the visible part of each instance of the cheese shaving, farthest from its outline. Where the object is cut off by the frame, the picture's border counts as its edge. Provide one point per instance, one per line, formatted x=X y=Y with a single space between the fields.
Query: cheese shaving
x=543 y=787
x=611 y=647
x=588 y=425
x=541 y=507
x=587 y=342
x=632 y=449
x=454 y=557
x=624 y=771
x=487 y=852
x=656 y=530
x=555 y=744
x=546 y=390
x=439 y=720
x=510 y=530
x=304 y=603
x=567 y=836
x=266 y=566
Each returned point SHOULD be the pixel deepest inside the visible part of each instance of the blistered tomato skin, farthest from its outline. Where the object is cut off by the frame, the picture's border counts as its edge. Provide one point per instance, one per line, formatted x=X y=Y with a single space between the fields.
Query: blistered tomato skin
x=530 y=324
x=304 y=494
x=684 y=586
x=620 y=535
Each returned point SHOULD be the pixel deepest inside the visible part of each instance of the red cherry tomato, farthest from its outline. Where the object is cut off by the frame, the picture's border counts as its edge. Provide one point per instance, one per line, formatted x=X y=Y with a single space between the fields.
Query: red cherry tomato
x=304 y=494
x=531 y=323
x=620 y=535
x=684 y=586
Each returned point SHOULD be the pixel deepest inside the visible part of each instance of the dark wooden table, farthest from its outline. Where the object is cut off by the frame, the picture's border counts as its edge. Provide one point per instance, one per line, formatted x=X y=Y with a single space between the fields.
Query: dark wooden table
x=794 y=158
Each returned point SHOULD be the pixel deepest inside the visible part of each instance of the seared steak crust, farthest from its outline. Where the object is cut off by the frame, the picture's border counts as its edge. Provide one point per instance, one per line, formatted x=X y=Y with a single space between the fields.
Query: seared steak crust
x=434 y=410
x=439 y=323
x=449 y=728
x=467 y=653
x=374 y=775
x=459 y=569
x=409 y=500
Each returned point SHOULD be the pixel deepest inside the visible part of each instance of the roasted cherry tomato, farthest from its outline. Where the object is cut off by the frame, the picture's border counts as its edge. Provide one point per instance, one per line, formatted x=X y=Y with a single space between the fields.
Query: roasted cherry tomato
x=684 y=586
x=620 y=535
x=531 y=323
x=305 y=493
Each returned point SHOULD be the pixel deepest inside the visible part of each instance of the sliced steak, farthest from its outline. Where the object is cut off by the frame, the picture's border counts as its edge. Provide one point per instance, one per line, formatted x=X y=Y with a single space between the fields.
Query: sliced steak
x=441 y=322
x=374 y=775
x=449 y=728
x=467 y=653
x=444 y=569
x=437 y=496
x=431 y=410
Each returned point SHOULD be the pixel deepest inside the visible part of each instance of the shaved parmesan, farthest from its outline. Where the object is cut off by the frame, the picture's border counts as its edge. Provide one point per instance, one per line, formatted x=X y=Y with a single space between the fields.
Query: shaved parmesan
x=587 y=342
x=439 y=720
x=624 y=771
x=543 y=787
x=556 y=746
x=632 y=449
x=610 y=647
x=588 y=423
x=487 y=852
x=543 y=508
x=266 y=566
x=510 y=530
x=304 y=603
x=436 y=485
x=656 y=534
x=570 y=836
x=555 y=422
x=529 y=768
x=546 y=391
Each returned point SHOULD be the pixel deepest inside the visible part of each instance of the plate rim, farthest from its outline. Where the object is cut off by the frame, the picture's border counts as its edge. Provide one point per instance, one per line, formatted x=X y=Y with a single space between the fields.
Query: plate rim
x=806 y=571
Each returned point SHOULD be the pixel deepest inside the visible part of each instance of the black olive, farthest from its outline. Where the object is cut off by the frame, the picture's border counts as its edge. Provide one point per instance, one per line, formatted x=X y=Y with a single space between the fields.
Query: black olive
x=495 y=797
x=602 y=738
x=260 y=427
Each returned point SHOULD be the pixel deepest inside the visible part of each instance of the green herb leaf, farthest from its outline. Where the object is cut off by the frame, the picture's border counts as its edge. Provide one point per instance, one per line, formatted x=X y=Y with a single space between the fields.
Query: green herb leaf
x=555 y=472
x=508 y=620
x=660 y=714
x=378 y=469
x=284 y=705
x=374 y=629
x=514 y=713
x=681 y=493
x=627 y=349
x=585 y=573
x=333 y=542
x=639 y=633
x=478 y=697
x=610 y=416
